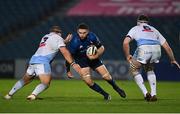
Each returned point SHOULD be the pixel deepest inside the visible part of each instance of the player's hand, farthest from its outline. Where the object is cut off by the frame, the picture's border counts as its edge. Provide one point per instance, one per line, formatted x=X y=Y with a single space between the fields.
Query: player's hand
x=175 y=63
x=129 y=58
x=92 y=57
x=70 y=75
x=68 y=38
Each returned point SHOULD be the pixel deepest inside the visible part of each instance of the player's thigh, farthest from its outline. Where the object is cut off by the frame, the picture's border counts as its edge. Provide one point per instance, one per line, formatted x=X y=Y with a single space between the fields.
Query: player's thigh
x=44 y=72
x=29 y=75
x=135 y=67
x=142 y=54
x=42 y=69
x=102 y=70
x=156 y=54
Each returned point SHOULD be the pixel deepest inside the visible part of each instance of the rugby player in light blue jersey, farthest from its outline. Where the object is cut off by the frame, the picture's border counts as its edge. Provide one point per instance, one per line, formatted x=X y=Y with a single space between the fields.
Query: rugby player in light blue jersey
x=149 y=41
x=40 y=63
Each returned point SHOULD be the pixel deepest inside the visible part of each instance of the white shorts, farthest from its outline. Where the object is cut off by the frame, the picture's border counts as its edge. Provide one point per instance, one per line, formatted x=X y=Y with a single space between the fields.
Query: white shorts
x=148 y=54
x=37 y=69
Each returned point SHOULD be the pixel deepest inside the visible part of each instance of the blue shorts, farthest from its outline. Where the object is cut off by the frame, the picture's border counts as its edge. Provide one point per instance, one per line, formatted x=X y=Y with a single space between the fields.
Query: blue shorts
x=85 y=62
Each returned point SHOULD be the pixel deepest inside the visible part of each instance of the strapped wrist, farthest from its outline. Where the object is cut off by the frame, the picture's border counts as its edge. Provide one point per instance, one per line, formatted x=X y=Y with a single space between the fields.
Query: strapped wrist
x=72 y=63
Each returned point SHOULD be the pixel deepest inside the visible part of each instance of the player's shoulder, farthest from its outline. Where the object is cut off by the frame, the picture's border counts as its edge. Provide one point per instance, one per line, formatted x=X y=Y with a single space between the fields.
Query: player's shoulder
x=134 y=29
x=153 y=27
x=75 y=38
x=92 y=36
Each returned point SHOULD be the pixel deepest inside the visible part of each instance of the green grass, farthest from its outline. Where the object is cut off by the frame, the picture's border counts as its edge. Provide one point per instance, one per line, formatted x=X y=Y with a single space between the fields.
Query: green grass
x=75 y=96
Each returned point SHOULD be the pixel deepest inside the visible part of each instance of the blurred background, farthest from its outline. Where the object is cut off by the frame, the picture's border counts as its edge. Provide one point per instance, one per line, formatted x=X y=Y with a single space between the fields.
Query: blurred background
x=25 y=22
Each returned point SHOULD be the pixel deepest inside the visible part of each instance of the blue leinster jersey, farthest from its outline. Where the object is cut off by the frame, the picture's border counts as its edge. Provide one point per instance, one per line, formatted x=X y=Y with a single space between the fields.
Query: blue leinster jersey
x=78 y=47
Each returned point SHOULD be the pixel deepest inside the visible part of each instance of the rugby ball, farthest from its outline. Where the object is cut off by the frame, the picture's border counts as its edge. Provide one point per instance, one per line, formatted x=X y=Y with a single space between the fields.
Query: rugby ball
x=92 y=50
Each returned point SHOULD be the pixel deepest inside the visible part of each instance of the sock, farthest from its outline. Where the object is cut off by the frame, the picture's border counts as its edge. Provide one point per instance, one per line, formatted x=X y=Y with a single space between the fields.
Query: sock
x=98 y=89
x=152 y=82
x=19 y=84
x=140 y=82
x=113 y=84
x=39 y=88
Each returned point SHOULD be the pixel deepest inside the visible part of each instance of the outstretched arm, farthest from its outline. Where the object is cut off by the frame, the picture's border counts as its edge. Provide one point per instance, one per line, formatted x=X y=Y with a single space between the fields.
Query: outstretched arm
x=69 y=59
x=170 y=54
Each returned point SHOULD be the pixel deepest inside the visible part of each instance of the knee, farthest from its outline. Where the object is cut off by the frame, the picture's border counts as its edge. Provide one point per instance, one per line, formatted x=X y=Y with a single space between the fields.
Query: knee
x=148 y=68
x=107 y=76
x=134 y=69
x=87 y=79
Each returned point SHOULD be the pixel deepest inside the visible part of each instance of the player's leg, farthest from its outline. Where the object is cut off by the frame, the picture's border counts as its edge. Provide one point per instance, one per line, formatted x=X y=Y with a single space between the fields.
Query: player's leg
x=152 y=80
x=149 y=68
x=27 y=78
x=106 y=76
x=85 y=75
x=44 y=73
x=135 y=70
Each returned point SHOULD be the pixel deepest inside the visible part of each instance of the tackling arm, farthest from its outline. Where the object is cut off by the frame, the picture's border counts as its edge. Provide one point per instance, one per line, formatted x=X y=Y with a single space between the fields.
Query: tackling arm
x=69 y=59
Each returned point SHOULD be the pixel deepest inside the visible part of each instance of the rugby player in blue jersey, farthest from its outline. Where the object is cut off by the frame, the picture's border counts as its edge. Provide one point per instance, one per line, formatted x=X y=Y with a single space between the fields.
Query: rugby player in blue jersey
x=77 y=46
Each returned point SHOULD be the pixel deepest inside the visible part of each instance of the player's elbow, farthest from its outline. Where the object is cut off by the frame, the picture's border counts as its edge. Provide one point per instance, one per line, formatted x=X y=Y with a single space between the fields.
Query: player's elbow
x=126 y=41
x=103 y=48
x=166 y=46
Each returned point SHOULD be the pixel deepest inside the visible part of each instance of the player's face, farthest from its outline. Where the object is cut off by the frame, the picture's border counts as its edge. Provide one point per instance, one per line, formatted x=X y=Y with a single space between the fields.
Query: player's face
x=82 y=33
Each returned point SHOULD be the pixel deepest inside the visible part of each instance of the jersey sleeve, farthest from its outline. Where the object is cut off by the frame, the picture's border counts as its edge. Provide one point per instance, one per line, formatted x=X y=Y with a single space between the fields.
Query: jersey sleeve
x=56 y=42
x=131 y=33
x=161 y=39
x=96 y=40
x=60 y=42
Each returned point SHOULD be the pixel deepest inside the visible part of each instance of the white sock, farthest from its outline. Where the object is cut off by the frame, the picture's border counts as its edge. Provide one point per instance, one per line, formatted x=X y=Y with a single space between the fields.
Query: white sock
x=39 y=88
x=152 y=82
x=140 y=82
x=19 y=84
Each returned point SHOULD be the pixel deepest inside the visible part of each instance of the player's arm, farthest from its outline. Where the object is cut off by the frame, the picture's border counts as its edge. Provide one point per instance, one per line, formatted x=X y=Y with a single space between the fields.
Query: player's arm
x=100 y=47
x=68 y=70
x=68 y=38
x=170 y=54
x=100 y=51
x=69 y=58
x=126 y=48
x=167 y=48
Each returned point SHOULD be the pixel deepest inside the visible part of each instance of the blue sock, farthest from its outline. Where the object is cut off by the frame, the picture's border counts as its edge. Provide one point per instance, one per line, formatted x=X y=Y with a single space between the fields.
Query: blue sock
x=98 y=89
x=113 y=84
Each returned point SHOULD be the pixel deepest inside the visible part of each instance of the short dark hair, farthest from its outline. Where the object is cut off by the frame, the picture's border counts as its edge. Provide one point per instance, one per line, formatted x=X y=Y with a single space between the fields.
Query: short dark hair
x=83 y=26
x=56 y=29
x=143 y=17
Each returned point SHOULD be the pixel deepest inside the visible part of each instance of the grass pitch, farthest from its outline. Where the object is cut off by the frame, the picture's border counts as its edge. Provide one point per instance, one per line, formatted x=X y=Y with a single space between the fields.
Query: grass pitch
x=74 y=96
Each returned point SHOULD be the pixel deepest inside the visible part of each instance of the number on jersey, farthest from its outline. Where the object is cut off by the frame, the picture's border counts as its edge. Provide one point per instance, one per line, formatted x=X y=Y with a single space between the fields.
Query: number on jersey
x=147 y=29
x=43 y=42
